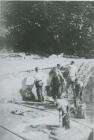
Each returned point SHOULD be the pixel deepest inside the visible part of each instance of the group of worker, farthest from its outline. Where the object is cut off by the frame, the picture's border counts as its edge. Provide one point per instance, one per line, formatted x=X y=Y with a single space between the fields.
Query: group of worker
x=59 y=77
x=67 y=73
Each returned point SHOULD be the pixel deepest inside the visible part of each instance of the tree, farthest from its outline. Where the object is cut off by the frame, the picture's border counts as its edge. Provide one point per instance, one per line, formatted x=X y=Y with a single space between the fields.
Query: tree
x=47 y=27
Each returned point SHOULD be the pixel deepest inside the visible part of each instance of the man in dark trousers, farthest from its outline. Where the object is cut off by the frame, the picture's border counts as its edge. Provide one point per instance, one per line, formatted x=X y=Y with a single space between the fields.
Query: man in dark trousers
x=38 y=84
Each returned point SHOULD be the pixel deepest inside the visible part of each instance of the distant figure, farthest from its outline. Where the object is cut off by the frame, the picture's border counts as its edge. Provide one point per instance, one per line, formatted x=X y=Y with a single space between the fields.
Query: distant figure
x=73 y=71
x=38 y=84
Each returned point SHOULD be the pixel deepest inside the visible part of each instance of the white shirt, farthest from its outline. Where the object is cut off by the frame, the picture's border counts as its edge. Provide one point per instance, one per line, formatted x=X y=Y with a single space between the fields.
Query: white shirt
x=38 y=76
x=73 y=71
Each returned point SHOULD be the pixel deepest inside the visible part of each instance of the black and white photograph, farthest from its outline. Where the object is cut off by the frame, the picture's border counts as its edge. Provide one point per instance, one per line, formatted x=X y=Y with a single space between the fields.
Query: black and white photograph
x=46 y=70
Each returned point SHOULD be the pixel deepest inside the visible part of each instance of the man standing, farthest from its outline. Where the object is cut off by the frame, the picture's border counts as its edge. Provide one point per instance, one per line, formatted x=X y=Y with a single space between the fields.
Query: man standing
x=59 y=73
x=59 y=86
x=77 y=91
x=38 y=84
x=73 y=71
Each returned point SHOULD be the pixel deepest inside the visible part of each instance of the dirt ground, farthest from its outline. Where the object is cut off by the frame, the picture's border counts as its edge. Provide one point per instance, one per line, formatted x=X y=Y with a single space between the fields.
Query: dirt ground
x=41 y=123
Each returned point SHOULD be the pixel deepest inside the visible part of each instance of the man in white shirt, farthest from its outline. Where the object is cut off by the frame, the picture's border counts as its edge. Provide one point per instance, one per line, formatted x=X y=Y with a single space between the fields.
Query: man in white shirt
x=39 y=84
x=73 y=71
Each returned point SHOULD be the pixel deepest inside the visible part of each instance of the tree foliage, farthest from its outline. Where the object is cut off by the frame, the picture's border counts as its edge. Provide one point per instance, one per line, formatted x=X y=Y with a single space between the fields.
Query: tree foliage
x=47 y=27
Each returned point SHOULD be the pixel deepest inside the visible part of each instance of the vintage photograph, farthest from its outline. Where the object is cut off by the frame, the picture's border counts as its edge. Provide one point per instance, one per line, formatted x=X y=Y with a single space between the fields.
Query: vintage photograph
x=46 y=70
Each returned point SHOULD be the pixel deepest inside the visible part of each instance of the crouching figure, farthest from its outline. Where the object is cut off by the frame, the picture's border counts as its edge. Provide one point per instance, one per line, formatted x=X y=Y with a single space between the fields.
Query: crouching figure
x=26 y=90
x=62 y=105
